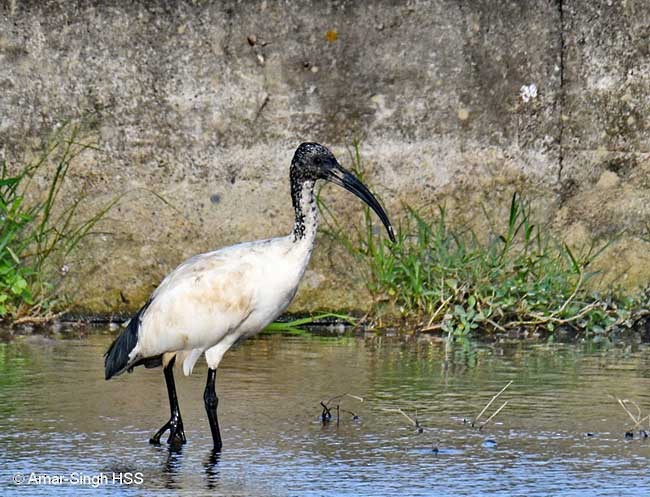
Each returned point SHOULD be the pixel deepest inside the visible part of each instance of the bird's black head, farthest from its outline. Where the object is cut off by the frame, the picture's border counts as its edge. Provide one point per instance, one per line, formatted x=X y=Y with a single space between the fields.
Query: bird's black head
x=312 y=162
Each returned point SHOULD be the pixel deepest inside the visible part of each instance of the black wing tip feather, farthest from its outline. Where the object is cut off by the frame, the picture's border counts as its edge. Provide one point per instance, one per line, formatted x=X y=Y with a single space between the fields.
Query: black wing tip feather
x=116 y=358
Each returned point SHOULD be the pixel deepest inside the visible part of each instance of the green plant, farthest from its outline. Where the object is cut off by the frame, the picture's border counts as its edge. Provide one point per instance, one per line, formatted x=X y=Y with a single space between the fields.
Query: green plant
x=38 y=232
x=15 y=218
x=439 y=276
x=294 y=326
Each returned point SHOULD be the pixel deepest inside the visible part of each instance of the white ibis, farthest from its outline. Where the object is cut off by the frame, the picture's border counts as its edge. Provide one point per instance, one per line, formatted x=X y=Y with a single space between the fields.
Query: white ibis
x=213 y=300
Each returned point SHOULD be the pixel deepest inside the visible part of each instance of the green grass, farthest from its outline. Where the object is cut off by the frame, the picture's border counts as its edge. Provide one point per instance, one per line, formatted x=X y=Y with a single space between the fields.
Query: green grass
x=295 y=326
x=441 y=277
x=38 y=231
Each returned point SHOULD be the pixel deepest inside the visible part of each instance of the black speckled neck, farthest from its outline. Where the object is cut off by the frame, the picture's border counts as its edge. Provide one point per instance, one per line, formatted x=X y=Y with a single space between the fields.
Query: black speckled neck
x=304 y=205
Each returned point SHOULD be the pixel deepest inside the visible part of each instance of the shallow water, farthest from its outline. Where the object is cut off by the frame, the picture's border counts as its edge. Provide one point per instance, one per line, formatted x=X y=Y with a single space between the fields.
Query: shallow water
x=59 y=417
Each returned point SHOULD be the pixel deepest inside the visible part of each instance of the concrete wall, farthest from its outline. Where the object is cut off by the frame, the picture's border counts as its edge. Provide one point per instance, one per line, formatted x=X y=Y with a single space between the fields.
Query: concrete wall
x=204 y=103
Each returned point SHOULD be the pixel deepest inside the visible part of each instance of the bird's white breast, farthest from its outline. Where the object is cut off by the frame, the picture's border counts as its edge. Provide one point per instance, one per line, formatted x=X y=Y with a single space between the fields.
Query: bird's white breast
x=222 y=296
x=276 y=282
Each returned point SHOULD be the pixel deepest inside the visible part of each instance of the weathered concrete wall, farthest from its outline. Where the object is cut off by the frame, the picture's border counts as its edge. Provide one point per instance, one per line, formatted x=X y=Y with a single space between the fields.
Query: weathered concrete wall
x=204 y=103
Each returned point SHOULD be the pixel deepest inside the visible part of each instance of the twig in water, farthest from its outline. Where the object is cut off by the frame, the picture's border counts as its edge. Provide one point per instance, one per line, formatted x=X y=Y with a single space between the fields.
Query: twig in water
x=339 y=397
x=490 y=403
x=638 y=418
x=353 y=414
x=494 y=414
x=622 y=402
x=641 y=420
x=414 y=421
x=326 y=415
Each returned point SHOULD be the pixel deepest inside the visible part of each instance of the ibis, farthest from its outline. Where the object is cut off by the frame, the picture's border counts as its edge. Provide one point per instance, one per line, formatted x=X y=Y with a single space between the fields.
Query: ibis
x=215 y=299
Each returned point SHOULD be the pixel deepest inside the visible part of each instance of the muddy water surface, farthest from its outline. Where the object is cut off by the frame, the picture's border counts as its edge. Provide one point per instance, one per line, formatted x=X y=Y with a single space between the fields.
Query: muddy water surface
x=560 y=434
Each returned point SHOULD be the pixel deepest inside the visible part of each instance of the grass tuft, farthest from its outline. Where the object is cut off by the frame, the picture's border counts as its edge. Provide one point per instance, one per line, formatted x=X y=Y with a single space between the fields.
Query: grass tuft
x=37 y=235
x=439 y=277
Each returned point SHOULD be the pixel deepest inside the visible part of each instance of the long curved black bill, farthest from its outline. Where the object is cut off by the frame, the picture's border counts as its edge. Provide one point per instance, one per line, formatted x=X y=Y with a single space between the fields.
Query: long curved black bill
x=340 y=176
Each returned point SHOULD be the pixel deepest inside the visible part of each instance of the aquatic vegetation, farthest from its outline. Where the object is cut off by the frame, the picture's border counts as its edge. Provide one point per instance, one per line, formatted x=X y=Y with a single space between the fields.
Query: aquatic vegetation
x=334 y=404
x=295 y=326
x=438 y=276
x=639 y=420
x=476 y=424
x=38 y=231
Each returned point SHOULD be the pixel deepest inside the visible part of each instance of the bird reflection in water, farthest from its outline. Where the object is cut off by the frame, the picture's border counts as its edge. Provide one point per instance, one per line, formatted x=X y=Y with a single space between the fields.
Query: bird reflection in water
x=171 y=469
x=172 y=466
x=211 y=466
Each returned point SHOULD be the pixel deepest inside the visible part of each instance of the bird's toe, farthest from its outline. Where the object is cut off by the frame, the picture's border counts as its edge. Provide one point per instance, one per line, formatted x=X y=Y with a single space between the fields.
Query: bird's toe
x=155 y=439
x=176 y=432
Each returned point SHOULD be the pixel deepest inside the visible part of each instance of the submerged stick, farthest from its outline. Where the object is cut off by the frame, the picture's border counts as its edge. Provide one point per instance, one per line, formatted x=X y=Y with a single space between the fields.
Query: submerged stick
x=398 y=410
x=494 y=414
x=490 y=403
x=622 y=404
x=326 y=415
x=637 y=419
x=413 y=421
x=641 y=420
x=339 y=397
x=353 y=414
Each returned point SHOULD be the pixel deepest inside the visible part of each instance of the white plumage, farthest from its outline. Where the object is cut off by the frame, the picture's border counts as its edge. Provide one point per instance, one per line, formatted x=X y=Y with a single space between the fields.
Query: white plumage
x=214 y=299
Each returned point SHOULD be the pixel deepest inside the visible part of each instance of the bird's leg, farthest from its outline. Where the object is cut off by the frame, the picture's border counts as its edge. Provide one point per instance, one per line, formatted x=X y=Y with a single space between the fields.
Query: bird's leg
x=175 y=423
x=211 y=402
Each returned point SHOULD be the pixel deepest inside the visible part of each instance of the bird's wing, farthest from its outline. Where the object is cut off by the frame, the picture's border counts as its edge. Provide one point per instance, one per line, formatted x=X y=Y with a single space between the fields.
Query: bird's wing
x=200 y=302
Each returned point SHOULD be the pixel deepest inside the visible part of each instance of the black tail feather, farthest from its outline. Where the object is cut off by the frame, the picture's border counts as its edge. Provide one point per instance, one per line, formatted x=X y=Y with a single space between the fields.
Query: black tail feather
x=116 y=358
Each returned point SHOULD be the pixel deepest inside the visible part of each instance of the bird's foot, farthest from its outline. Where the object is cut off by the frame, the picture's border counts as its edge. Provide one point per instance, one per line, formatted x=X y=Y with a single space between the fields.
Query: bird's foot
x=176 y=432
